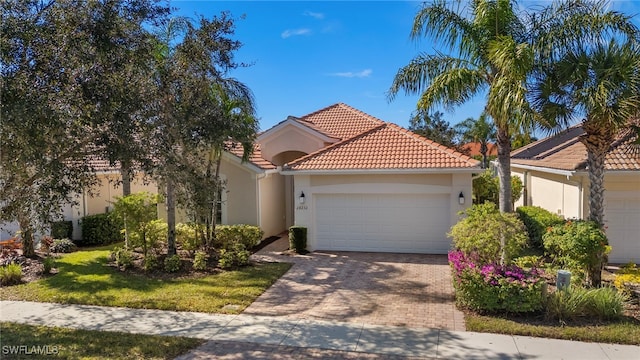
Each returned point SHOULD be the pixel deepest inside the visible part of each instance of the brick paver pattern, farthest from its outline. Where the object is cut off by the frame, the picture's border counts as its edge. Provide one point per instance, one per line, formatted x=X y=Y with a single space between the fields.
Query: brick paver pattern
x=411 y=290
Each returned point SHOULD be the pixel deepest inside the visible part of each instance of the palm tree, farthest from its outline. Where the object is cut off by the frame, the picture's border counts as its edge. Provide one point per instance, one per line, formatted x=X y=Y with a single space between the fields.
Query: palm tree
x=601 y=83
x=477 y=131
x=492 y=55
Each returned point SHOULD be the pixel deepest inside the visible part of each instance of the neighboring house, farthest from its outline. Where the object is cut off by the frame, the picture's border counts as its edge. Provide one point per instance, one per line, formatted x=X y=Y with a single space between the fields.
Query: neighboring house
x=473 y=149
x=356 y=182
x=554 y=174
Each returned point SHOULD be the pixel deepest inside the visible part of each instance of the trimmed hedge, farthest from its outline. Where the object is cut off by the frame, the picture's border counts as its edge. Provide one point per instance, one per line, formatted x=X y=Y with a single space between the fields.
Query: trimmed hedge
x=537 y=221
x=246 y=235
x=100 y=229
x=62 y=230
x=298 y=238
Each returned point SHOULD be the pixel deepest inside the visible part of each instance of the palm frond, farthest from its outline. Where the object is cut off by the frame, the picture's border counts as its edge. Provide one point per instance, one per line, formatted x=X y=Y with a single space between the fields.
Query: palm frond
x=453 y=87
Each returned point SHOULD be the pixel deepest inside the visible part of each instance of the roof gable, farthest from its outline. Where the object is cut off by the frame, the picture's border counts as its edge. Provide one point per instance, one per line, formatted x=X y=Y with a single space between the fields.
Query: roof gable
x=342 y=121
x=386 y=146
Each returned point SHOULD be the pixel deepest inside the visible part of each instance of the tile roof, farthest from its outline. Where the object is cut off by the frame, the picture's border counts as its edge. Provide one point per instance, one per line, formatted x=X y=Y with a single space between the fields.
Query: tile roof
x=473 y=149
x=255 y=158
x=385 y=146
x=342 y=121
x=564 y=151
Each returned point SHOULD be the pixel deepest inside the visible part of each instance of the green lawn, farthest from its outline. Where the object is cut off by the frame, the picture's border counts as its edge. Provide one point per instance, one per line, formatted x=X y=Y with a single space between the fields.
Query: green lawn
x=52 y=342
x=83 y=278
x=623 y=332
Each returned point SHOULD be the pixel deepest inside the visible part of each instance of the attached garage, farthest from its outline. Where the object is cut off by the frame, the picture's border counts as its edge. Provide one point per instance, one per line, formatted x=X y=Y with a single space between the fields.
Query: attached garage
x=402 y=223
x=622 y=219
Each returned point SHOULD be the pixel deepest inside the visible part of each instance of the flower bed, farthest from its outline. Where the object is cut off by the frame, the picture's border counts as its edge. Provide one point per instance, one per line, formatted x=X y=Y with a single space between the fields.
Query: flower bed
x=496 y=288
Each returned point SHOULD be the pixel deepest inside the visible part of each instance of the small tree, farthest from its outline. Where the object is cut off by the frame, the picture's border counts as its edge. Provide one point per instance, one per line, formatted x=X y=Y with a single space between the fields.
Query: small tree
x=433 y=127
x=486 y=187
x=137 y=212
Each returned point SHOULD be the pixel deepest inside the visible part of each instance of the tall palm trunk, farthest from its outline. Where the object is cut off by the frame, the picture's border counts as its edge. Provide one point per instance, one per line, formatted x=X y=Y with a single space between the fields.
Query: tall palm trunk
x=171 y=218
x=504 y=170
x=483 y=151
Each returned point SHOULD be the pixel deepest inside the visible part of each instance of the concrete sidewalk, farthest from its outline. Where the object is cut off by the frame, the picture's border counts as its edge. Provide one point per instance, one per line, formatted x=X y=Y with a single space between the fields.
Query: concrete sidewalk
x=305 y=338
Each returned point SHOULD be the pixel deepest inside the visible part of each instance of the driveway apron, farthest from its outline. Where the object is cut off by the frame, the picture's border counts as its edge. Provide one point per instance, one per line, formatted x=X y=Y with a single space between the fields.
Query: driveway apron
x=410 y=290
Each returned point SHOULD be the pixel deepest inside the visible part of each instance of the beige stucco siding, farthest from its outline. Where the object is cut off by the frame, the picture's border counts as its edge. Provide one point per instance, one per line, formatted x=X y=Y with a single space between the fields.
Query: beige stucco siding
x=241 y=194
x=272 y=204
x=557 y=193
x=109 y=187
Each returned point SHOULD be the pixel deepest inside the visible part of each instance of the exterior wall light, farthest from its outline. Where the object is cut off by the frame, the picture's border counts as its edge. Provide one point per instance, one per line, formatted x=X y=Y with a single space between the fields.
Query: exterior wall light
x=301 y=198
x=461 y=198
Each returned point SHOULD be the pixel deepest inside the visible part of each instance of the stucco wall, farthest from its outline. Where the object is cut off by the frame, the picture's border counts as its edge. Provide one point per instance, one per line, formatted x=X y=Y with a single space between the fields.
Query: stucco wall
x=241 y=194
x=556 y=193
x=272 y=204
x=289 y=138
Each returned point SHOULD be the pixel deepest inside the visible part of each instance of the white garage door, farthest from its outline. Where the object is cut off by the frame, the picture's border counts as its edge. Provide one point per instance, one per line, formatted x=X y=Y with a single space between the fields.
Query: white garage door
x=403 y=223
x=622 y=212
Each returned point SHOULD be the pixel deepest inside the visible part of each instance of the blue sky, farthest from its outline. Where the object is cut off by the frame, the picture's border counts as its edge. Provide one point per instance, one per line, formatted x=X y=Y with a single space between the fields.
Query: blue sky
x=307 y=55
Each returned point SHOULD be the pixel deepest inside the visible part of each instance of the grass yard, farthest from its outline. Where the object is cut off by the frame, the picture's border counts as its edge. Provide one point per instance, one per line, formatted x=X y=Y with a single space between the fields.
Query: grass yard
x=83 y=278
x=623 y=332
x=53 y=342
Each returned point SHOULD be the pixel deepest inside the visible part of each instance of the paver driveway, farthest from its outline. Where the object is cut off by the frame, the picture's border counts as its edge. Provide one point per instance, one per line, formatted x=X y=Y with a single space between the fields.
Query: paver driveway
x=412 y=290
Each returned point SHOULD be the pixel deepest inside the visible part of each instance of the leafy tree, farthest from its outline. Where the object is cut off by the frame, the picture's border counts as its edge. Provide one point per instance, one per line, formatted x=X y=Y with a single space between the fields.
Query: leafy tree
x=485 y=188
x=433 y=127
x=192 y=66
x=489 y=52
x=478 y=131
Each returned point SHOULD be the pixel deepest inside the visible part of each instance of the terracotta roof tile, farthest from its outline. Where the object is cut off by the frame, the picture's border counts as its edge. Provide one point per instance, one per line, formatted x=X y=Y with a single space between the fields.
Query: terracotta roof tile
x=255 y=158
x=342 y=121
x=473 y=149
x=564 y=151
x=386 y=146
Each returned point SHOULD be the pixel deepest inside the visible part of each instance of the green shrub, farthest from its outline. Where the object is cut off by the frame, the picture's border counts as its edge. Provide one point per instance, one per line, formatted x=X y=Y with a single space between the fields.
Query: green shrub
x=122 y=257
x=234 y=256
x=200 y=260
x=100 y=229
x=481 y=231
x=298 y=238
x=486 y=187
x=602 y=303
x=578 y=244
x=172 y=263
x=187 y=237
x=62 y=246
x=10 y=274
x=47 y=263
x=537 y=221
x=150 y=262
x=62 y=230
x=626 y=278
x=495 y=288
x=150 y=237
x=530 y=261
x=246 y=235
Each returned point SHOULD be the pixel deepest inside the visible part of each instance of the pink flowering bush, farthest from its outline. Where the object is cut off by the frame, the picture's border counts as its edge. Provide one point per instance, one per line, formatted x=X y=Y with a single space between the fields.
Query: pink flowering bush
x=494 y=287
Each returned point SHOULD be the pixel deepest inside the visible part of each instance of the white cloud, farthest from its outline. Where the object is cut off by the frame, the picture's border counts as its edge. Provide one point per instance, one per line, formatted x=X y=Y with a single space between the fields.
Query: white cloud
x=316 y=15
x=350 y=74
x=295 y=32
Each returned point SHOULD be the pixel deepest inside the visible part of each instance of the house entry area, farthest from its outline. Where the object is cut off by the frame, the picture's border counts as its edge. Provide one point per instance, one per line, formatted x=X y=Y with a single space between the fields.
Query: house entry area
x=399 y=223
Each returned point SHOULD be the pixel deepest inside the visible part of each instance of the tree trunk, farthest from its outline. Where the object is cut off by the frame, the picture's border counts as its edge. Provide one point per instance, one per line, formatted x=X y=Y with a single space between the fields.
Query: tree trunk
x=171 y=218
x=27 y=237
x=125 y=171
x=504 y=170
x=483 y=151
x=597 y=140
